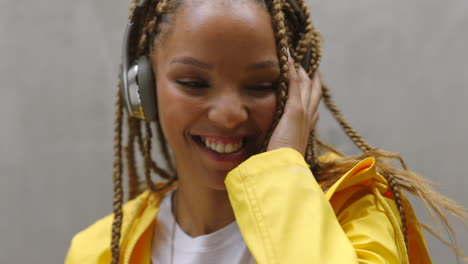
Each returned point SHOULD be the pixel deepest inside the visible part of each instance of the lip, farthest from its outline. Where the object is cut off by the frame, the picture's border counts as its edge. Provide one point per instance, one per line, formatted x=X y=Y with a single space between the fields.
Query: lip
x=231 y=158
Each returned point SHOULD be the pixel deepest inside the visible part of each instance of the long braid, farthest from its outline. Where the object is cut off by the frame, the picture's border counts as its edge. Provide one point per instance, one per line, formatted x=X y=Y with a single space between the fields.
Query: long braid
x=143 y=47
x=118 y=166
x=150 y=164
x=117 y=178
x=164 y=148
x=392 y=183
x=133 y=179
x=143 y=150
x=311 y=150
x=150 y=27
x=310 y=42
x=147 y=156
x=131 y=8
x=161 y=172
x=352 y=134
x=309 y=39
x=365 y=147
x=282 y=44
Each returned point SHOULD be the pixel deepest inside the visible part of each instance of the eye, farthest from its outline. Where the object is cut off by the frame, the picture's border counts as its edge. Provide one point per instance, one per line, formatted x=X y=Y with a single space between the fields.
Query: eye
x=264 y=86
x=192 y=84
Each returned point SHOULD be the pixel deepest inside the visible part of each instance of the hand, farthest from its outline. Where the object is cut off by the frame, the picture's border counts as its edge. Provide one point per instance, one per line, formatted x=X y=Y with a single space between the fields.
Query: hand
x=300 y=113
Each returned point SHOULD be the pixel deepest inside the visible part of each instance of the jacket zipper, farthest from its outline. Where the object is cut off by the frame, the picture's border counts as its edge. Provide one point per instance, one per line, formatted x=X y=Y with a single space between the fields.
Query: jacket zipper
x=135 y=241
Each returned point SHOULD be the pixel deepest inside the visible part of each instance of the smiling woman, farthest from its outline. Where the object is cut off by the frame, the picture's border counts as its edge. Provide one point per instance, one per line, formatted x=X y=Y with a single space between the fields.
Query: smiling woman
x=225 y=84
x=232 y=89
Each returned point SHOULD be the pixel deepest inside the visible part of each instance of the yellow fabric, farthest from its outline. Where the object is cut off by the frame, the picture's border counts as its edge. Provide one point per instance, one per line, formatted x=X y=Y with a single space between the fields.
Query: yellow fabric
x=284 y=217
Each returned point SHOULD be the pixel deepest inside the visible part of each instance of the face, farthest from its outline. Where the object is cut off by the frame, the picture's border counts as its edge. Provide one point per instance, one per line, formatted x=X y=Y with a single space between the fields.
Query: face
x=216 y=72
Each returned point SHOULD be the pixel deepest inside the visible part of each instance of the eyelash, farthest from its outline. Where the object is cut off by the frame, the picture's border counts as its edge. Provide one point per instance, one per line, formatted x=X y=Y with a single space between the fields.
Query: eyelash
x=194 y=85
x=270 y=86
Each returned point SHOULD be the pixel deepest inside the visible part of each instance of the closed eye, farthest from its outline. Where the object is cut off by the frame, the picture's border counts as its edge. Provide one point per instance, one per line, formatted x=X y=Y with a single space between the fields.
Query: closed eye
x=266 y=86
x=192 y=84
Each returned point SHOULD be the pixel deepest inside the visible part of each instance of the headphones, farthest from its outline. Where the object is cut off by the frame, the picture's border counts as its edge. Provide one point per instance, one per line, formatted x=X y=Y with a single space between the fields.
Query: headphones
x=138 y=89
x=138 y=85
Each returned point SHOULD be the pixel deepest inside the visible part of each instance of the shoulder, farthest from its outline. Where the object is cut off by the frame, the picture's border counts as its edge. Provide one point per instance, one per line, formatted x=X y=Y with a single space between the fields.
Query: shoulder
x=362 y=195
x=92 y=245
x=361 y=182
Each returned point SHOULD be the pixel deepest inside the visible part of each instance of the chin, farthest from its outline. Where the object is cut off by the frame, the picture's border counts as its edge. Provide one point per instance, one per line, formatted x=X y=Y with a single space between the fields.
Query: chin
x=216 y=182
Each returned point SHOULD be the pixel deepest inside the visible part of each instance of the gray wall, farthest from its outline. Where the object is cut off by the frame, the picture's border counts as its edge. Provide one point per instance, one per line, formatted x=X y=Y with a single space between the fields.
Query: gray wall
x=396 y=68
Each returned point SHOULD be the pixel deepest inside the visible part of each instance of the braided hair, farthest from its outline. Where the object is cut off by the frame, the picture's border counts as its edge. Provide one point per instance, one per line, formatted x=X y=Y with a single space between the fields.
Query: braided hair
x=294 y=32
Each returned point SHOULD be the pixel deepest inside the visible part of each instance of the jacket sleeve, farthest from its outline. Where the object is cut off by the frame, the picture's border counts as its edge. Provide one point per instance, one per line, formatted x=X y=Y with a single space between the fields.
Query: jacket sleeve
x=285 y=217
x=92 y=244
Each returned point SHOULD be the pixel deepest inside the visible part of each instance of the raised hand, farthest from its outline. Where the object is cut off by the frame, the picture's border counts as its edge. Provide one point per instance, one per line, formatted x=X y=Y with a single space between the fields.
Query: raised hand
x=300 y=113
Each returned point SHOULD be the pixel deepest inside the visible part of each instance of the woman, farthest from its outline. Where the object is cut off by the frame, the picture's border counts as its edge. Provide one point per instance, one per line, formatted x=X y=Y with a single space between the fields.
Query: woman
x=232 y=88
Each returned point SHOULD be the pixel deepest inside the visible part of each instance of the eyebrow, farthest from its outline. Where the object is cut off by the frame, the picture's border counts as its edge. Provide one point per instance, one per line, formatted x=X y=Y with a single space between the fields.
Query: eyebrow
x=191 y=61
x=194 y=62
x=263 y=65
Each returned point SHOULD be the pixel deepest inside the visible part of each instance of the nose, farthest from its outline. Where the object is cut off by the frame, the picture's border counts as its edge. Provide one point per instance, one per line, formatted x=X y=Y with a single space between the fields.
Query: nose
x=228 y=111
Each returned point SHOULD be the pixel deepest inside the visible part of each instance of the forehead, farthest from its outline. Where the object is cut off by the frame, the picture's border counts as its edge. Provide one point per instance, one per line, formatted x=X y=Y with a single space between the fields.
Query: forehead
x=211 y=25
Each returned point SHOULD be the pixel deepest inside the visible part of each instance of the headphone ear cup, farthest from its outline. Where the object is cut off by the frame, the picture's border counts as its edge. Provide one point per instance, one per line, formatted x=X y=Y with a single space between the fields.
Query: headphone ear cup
x=147 y=89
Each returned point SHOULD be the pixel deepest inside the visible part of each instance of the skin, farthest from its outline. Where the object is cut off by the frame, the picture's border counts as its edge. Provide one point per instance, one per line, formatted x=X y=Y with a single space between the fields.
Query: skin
x=216 y=71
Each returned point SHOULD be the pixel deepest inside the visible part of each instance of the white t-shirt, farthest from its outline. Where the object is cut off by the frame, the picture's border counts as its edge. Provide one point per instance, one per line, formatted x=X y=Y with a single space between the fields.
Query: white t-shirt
x=223 y=246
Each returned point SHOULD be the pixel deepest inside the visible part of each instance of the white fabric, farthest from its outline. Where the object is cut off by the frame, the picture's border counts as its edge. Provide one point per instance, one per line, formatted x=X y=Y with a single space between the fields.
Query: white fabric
x=223 y=246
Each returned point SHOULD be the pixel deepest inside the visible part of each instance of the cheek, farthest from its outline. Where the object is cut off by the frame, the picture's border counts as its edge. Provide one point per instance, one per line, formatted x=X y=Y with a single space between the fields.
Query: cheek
x=264 y=111
x=176 y=110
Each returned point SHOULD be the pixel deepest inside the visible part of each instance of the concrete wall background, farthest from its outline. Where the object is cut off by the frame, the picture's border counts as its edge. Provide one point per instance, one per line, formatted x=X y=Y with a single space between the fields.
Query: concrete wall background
x=397 y=70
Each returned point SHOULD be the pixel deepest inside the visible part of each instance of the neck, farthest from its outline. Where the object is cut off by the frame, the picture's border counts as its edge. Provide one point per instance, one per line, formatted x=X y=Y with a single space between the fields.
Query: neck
x=200 y=211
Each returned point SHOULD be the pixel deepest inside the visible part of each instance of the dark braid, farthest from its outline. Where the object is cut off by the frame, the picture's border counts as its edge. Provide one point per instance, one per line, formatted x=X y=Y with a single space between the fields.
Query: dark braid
x=282 y=46
x=118 y=192
x=147 y=156
x=310 y=39
x=164 y=148
x=309 y=42
x=132 y=6
x=365 y=147
x=352 y=134
x=392 y=183
x=163 y=145
x=133 y=179
x=144 y=42
x=311 y=150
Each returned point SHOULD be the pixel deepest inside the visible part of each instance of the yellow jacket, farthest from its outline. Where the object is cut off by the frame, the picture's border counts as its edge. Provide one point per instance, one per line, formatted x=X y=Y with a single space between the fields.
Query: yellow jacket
x=284 y=217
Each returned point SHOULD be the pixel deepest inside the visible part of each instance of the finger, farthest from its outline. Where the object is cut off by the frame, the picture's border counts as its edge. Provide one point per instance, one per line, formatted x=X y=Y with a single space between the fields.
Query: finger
x=305 y=84
x=293 y=86
x=316 y=93
x=314 y=120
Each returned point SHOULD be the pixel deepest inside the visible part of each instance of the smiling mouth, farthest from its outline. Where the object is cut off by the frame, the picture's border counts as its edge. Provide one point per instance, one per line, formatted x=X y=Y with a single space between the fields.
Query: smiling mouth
x=221 y=146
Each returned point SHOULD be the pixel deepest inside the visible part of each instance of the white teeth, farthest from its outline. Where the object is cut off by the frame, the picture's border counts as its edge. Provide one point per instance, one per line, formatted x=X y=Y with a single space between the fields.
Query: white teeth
x=228 y=148
x=220 y=147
